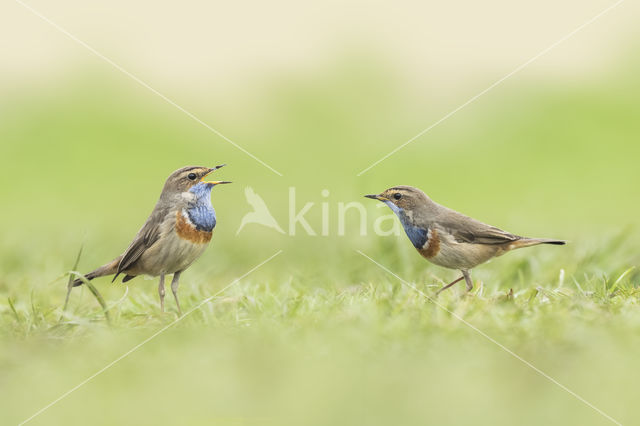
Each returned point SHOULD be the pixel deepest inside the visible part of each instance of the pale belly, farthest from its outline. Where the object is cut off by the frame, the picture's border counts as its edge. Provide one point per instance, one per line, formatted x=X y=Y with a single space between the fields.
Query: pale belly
x=463 y=255
x=443 y=250
x=169 y=255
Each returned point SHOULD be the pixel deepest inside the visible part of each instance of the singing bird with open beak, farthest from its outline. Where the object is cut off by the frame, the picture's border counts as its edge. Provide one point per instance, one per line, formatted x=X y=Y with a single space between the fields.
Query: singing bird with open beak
x=176 y=233
x=448 y=238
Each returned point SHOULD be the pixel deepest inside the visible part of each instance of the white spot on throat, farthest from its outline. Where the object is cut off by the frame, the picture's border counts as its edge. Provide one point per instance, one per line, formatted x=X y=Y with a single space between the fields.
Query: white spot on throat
x=426 y=243
x=185 y=215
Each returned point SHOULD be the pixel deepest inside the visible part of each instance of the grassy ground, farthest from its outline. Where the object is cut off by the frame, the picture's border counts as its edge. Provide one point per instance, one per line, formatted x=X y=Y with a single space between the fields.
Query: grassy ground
x=273 y=350
x=320 y=334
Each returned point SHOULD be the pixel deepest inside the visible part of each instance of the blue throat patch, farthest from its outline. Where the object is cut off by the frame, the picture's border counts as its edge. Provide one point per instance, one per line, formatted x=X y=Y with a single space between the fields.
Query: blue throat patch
x=201 y=212
x=417 y=235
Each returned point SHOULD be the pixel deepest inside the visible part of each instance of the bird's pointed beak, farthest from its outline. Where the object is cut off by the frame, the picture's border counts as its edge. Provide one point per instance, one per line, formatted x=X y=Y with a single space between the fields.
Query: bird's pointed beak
x=376 y=197
x=215 y=182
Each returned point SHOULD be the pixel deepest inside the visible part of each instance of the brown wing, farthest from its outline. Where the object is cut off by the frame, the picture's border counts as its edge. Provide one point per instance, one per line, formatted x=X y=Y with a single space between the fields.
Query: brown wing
x=146 y=237
x=468 y=230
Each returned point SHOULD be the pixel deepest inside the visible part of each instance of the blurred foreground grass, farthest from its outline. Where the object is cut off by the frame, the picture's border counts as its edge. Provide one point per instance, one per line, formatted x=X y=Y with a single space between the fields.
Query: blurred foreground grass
x=321 y=335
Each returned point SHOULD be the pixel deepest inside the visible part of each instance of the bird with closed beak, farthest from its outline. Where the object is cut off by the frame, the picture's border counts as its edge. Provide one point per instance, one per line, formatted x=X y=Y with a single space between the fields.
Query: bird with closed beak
x=448 y=238
x=176 y=233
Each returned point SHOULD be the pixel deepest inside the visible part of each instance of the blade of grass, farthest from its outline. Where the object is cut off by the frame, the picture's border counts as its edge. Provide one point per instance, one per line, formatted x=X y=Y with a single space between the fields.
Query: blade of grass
x=619 y=280
x=91 y=287
x=13 y=309
x=70 y=283
x=98 y=297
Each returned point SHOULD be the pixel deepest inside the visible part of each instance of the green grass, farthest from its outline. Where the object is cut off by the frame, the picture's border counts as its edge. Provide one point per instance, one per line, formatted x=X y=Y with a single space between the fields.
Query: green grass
x=321 y=335
x=274 y=350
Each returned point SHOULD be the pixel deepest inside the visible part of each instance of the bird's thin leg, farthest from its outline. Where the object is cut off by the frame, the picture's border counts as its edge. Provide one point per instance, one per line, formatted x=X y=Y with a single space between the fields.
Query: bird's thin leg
x=174 y=289
x=467 y=278
x=448 y=285
x=161 y=292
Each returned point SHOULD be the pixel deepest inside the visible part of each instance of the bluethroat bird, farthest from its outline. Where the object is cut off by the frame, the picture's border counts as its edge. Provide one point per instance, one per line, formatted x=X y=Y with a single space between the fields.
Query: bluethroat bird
x=176 y=233
x=448 y=238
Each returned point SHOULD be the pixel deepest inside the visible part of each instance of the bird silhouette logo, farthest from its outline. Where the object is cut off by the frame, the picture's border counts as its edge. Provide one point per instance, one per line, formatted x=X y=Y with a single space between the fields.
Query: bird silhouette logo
x=260 y=214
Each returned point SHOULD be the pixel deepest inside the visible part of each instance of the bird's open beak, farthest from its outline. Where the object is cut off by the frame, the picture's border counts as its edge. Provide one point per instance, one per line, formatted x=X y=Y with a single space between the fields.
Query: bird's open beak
x=376 y=197
x=214 y=182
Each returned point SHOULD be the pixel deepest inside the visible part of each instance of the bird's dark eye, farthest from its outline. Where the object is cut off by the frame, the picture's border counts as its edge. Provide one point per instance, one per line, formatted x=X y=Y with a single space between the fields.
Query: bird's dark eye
x=397 y=195
x=192 y=176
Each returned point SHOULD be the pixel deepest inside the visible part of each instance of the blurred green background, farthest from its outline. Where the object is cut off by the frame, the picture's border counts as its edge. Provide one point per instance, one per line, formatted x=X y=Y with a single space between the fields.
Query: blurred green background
x=85 y=163
x=320 y=335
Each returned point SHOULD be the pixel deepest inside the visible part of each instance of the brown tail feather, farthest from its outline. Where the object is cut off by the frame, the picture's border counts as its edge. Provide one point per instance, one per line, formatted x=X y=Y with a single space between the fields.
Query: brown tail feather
x=108 y=269
x=528 y=242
